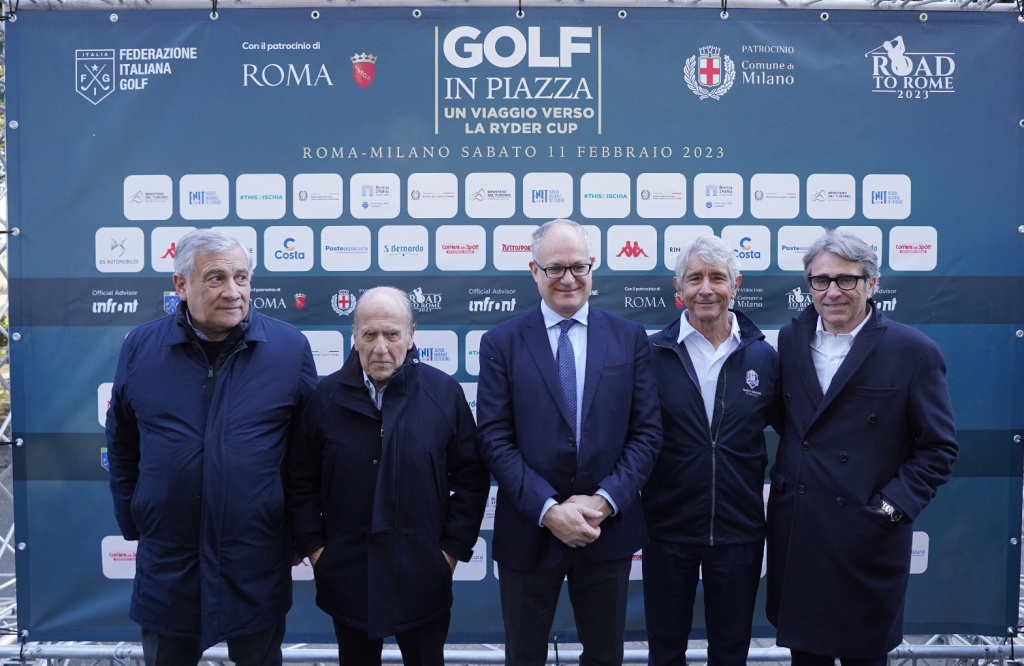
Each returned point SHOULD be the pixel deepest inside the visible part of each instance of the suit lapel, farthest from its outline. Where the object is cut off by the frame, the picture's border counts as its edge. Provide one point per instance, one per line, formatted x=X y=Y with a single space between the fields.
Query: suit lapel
x=535 y=334
x=862 y=347
x=597 y=351
x=803 y=327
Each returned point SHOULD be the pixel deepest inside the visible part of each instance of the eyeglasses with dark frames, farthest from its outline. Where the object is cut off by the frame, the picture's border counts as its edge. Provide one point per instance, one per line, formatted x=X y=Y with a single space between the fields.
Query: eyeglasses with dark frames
x=558 y=272
x=844 y=282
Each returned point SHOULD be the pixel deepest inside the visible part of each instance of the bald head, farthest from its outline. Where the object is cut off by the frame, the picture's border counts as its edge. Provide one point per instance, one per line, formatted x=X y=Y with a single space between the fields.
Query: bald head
x=383 y=330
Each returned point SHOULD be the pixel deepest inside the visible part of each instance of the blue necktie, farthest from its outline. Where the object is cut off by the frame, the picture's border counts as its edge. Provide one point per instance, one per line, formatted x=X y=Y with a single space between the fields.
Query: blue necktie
x=566 y=361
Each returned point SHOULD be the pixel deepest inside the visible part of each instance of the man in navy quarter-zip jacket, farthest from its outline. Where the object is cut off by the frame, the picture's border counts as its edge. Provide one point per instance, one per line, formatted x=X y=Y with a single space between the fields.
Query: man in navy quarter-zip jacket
x=717 y=379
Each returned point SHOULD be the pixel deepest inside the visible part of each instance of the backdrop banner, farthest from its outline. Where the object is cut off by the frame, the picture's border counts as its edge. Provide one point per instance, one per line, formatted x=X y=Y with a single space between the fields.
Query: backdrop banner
x=348 y=148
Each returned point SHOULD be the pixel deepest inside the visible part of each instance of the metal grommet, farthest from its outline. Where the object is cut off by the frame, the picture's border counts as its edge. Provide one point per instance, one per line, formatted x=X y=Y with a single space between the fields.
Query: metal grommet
x=315 y=15
x=823 y=16
x=520 y=13
x=416 y=13
x=724 y=15
x=113 y=18
x=923 y=17
x=622 y=13
x=213 y=16
x=13 y=124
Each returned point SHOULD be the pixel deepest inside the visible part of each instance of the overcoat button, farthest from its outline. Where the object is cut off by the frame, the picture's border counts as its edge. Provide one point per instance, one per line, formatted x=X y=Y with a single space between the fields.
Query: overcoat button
x=801 y=489
x=873 y=419
x=843 y=457
x=805 y=445
x=840 y=501
x=789 y=398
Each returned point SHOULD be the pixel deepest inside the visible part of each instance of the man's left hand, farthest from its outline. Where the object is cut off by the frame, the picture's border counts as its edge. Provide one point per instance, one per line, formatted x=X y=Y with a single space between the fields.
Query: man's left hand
x=451 y=560
x=595 y=502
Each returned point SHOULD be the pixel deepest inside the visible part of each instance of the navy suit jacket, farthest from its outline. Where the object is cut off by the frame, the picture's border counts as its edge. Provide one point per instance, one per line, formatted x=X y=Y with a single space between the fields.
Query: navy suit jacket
x=527 y=441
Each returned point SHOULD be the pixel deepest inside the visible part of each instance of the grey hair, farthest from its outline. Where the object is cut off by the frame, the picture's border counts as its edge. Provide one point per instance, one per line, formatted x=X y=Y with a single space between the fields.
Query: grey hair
x=394 y=292
x=541 y=232
x=713 y=251
x=845 y=245
x=204 y=241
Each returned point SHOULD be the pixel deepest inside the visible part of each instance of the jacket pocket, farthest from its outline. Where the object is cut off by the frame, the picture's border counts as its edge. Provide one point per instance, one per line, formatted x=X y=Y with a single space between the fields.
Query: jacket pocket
x=875 y=393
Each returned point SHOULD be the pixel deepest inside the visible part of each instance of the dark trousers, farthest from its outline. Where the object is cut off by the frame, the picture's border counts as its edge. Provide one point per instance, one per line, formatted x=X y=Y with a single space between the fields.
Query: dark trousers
x=422 y=646
x=730 y=574
x=811 y=659
x=260 y=649
x=597 y=591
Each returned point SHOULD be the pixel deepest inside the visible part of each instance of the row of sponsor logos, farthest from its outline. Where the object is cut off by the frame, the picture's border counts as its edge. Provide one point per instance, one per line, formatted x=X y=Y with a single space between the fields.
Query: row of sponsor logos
x=119 y=555
x=542 y=195
x=627 y=247
x=708 y=71
x=441 y=348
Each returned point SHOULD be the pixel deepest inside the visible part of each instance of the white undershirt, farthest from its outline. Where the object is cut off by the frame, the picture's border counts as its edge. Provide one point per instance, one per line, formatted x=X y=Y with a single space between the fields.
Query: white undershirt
x=829 y=351
x=708 y=361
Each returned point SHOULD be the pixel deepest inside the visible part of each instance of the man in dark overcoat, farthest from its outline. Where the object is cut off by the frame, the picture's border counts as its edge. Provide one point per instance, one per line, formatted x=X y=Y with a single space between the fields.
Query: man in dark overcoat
x=868 y=438
x=201 y=409
x=386 y=489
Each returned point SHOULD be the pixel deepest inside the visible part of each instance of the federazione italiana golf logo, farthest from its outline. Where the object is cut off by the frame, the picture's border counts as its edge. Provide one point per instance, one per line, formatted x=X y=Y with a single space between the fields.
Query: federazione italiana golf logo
x=94 y=73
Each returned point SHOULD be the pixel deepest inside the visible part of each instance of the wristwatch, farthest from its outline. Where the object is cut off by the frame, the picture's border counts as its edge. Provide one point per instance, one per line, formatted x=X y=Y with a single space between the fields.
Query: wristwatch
x=891 y=511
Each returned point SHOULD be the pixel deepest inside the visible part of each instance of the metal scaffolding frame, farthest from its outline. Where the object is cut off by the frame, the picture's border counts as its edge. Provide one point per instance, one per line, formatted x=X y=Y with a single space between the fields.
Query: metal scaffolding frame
x=946 y=649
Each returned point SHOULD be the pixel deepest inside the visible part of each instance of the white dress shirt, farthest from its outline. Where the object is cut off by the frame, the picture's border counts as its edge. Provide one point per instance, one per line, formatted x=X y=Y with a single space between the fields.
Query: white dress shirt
x=829 y=351
x=708 y=361
x=578 y=336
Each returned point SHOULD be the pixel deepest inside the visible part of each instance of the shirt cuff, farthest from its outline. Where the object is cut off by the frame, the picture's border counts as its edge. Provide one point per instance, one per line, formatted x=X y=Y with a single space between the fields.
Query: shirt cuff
x=603 y=493
x=547 y=505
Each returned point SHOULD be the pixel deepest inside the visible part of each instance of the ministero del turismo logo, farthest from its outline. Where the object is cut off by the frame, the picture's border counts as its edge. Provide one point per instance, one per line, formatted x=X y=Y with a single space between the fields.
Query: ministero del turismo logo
x=910 y=74
x=709 y=74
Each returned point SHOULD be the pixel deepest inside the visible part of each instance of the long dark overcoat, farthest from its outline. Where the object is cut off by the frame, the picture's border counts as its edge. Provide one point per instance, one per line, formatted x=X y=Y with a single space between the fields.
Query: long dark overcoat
x=837 y=569
x=197 y=473
x=384 y=492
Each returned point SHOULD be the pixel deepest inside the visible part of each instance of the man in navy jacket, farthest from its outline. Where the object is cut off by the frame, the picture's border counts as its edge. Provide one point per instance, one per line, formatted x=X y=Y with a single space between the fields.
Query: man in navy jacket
x=200 y=414
x=386 y=489
x=867 y=440
x=567 y=413
x=717 y=378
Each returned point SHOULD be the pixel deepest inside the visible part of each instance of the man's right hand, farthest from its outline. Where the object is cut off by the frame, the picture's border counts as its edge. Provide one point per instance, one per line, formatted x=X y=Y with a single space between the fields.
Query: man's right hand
x=569 y=523
x=315 y=555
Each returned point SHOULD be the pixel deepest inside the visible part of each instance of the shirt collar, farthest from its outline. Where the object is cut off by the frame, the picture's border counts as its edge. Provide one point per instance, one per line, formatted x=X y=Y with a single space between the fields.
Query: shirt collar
x=819 y=329
x=552 y=318
x=686 y=329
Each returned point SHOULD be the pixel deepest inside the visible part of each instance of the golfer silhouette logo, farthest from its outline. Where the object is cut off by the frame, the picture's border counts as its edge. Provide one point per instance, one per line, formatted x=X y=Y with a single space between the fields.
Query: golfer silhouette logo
x=899 y=64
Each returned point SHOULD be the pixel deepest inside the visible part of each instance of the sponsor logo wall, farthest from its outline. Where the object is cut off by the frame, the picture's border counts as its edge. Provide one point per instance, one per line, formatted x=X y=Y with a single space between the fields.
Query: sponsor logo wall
x=364 y=148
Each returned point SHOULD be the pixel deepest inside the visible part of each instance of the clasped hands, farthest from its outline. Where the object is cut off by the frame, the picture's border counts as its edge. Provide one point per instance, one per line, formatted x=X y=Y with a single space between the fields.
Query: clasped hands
x=577 y=521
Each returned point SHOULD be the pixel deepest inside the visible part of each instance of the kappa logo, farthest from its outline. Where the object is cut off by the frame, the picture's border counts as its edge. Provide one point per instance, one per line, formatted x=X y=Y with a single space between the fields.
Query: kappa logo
x=95 y=77
x=632 y=251
x=709 y=74
x=364 y=67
